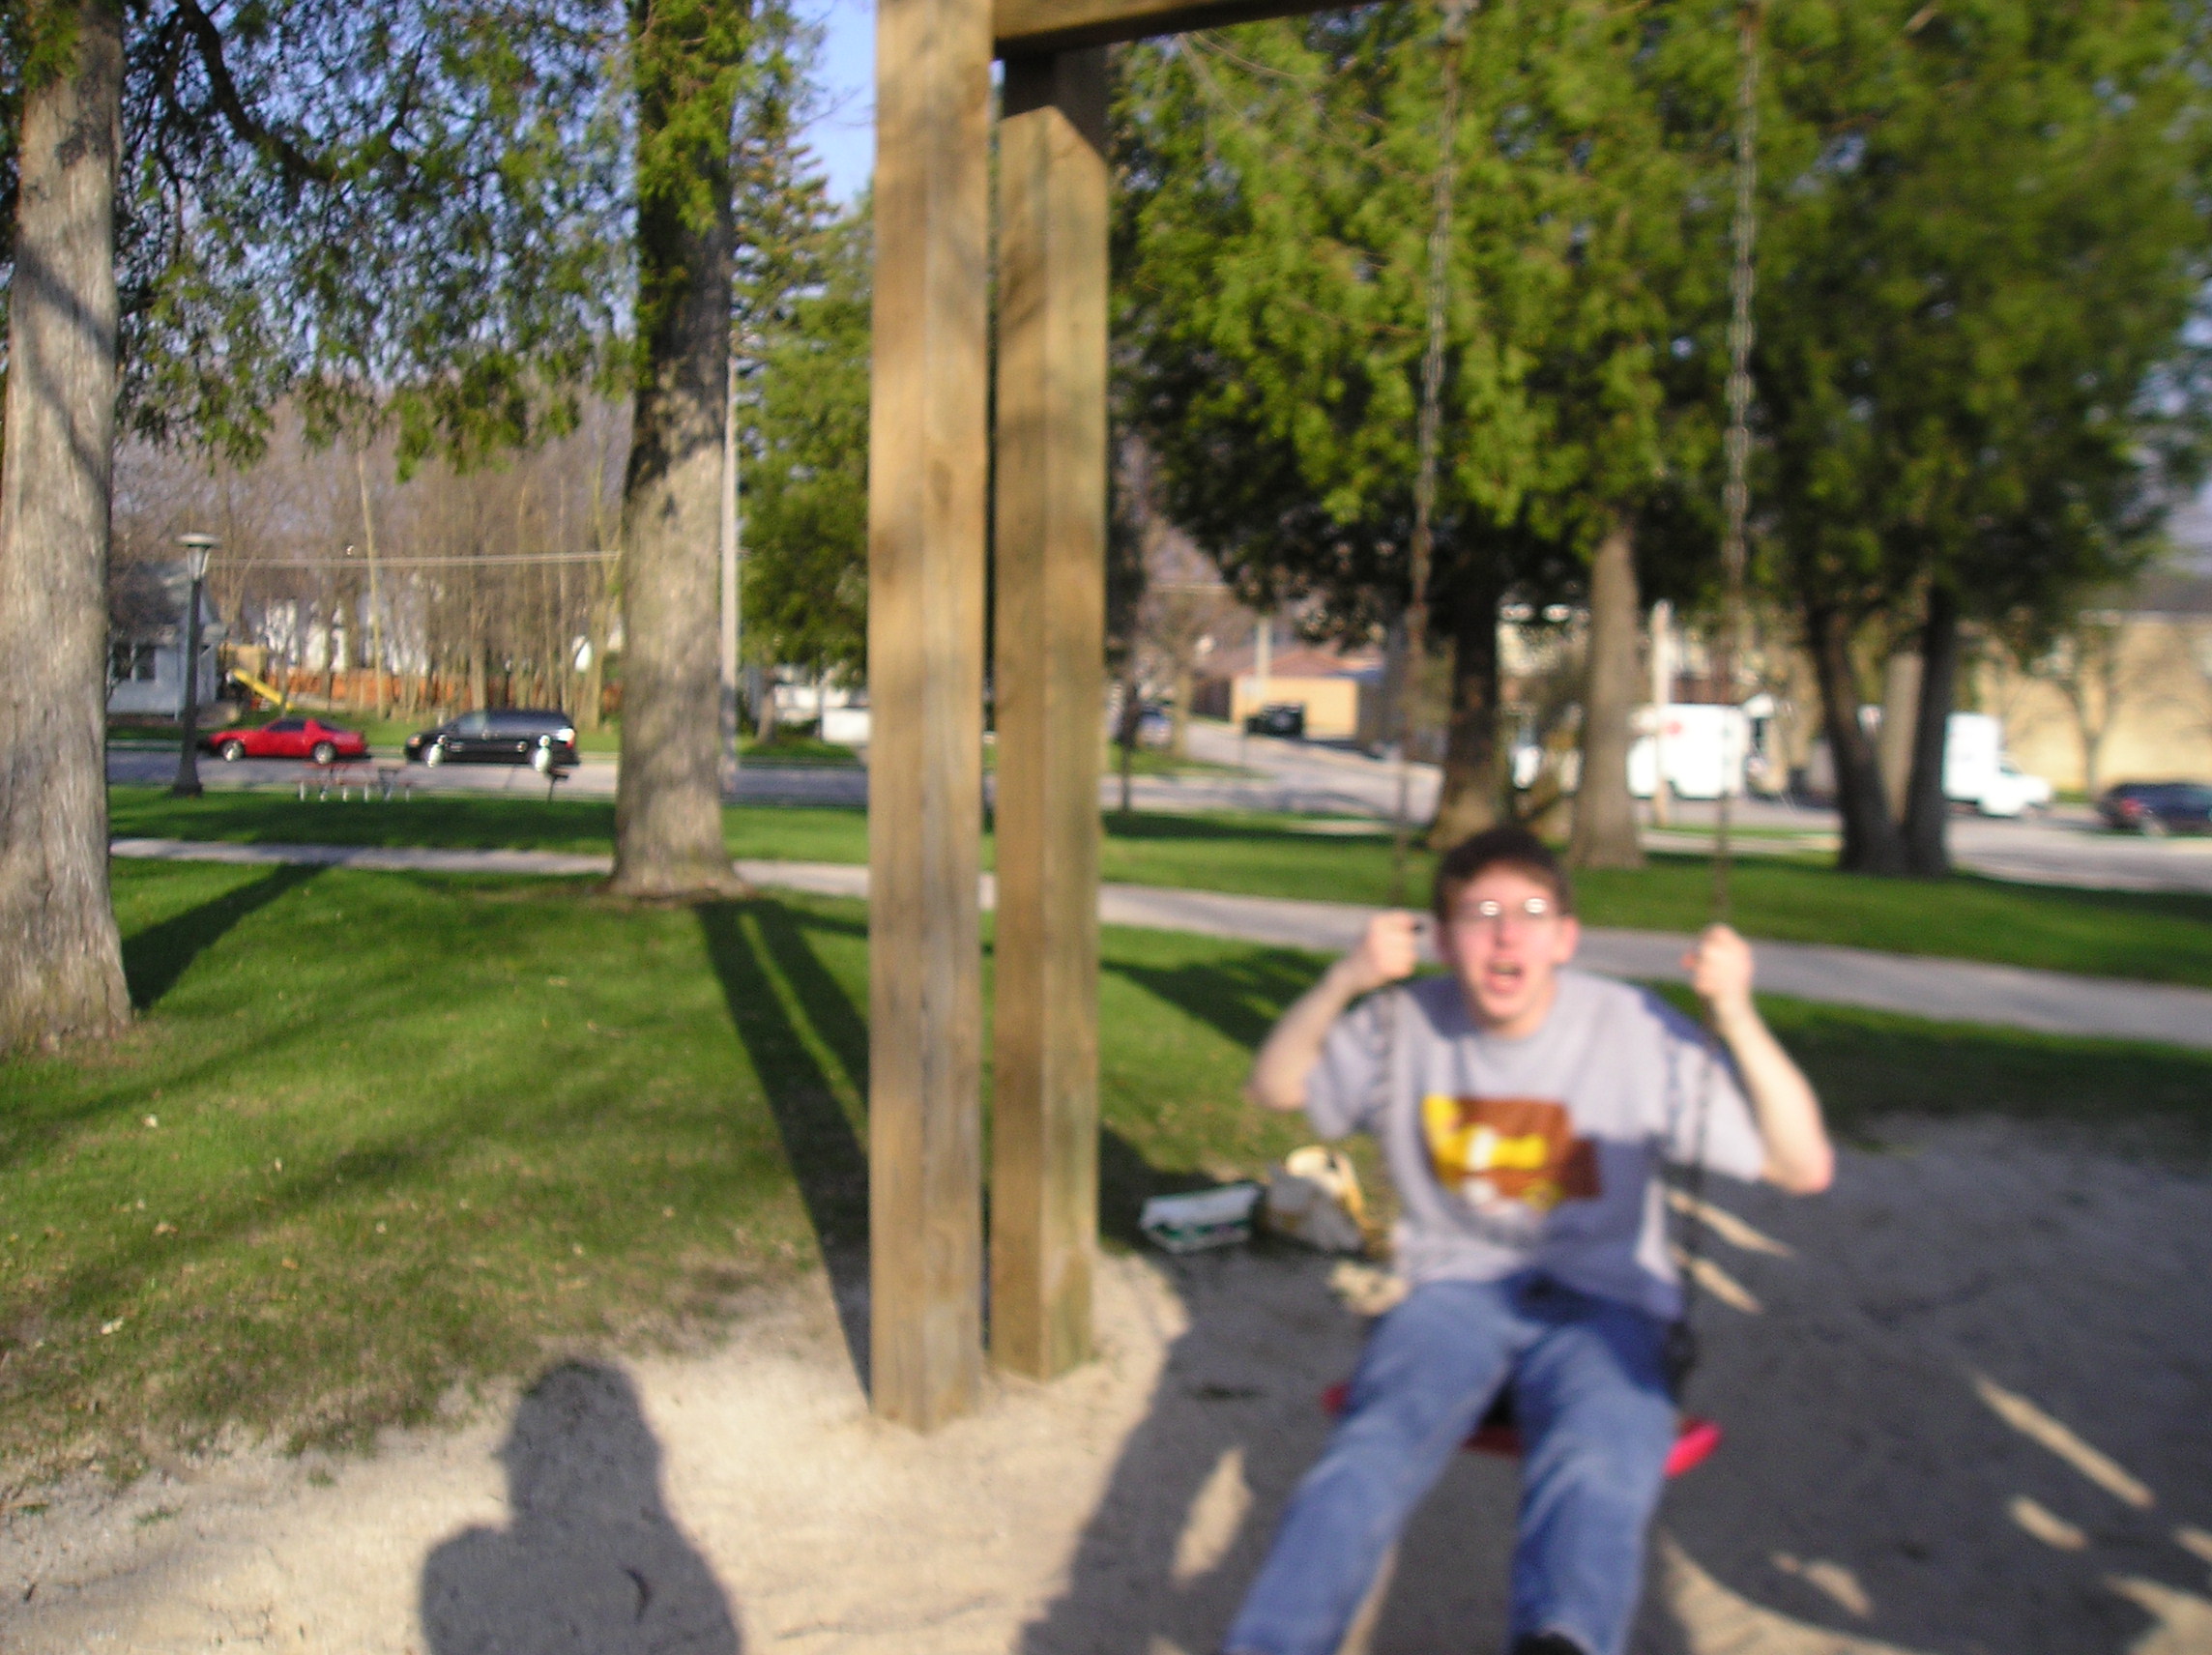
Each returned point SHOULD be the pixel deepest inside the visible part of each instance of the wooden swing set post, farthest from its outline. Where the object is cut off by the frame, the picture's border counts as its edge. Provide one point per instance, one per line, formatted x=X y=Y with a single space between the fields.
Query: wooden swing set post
x=928 y=459
x=1050 y=680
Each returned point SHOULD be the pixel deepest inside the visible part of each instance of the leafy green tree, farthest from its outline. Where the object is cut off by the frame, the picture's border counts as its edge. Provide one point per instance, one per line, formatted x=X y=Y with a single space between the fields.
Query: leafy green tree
x=806 y=517
x=205 y=209
x=1277 y=186
x=1985 y=234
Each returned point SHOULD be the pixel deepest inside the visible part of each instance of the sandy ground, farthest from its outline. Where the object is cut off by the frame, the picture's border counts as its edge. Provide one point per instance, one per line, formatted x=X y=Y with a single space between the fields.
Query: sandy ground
x=1965 y=1396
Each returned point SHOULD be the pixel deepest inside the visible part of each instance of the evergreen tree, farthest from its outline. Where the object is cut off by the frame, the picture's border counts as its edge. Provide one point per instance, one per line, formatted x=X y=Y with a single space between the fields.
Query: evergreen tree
x=1276 y=205
x=1984 y=235
x=806 y=523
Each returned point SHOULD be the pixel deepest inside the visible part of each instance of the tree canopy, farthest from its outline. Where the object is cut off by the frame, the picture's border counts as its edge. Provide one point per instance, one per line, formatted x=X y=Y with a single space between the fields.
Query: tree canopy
x=1984 y=240
x=1278 y=181
x=417 y=208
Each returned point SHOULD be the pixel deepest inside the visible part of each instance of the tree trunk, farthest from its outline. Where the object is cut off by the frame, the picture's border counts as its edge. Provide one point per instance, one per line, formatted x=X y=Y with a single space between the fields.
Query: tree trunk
x=1894 y=747
x=1605 y=814
x=61 y=958
x=1468 y=799
x=668 y=798
x=1872 y=843
x=1926 y=812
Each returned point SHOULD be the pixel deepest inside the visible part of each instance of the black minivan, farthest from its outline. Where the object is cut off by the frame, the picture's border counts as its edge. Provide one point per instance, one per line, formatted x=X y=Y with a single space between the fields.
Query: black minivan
x=538 y=736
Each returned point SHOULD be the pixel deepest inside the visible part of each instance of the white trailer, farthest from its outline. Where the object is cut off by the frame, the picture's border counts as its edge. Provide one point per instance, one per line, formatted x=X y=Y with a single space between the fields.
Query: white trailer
x=1698 y=749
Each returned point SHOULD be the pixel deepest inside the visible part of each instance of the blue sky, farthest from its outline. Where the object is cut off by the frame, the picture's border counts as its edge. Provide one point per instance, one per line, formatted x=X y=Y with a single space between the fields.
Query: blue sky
x=843 y=133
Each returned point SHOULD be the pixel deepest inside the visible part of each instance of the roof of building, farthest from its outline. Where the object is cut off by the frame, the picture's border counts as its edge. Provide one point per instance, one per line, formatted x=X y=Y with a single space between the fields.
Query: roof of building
x=146 y=603
x=2171 y=591
x=1298 y=660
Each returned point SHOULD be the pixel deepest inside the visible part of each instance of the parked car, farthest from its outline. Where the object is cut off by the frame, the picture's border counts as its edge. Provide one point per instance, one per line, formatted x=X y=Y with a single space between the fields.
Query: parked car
x=289 y=737
x=1156 y=725
x=542 y=737
x=1277 y=718
x=2158 y=807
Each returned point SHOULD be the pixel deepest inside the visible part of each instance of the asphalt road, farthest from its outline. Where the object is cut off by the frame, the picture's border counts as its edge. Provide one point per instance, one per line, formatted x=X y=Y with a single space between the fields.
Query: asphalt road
x=2066 y=847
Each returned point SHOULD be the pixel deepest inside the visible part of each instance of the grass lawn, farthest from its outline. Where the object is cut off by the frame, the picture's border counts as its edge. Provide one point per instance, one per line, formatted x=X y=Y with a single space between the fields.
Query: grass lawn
x=377 y=1136
x=2159 y=937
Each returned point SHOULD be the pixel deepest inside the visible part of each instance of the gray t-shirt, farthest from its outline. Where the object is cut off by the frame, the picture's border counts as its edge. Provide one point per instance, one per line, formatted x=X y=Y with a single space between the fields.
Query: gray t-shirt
x=1538 y=1153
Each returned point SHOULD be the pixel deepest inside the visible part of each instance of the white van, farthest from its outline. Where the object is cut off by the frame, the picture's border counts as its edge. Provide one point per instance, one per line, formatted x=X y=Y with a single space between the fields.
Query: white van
x=1978 y=772
x=1701 y=748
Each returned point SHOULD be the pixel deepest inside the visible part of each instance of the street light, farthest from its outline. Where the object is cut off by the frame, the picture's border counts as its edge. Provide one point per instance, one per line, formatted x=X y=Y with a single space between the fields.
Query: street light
x=196 y=550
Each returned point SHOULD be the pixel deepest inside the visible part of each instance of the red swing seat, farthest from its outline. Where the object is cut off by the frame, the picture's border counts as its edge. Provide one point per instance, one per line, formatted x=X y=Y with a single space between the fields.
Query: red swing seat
x=1694 y=1438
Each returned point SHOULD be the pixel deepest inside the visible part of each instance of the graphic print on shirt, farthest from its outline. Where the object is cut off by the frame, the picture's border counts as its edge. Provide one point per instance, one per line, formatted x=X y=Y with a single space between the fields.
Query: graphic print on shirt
x=1508 y=1157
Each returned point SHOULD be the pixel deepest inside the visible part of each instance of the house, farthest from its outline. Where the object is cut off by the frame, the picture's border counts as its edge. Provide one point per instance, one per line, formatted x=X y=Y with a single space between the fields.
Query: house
x=1333 y=685
x=146 y=640
x=2124 y=693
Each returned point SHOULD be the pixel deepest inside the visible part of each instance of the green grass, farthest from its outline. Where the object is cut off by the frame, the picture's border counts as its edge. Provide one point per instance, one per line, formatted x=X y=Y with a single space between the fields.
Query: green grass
x=474 y=822
x=415 y=1131
x=379 y=1135
x=2158 y=937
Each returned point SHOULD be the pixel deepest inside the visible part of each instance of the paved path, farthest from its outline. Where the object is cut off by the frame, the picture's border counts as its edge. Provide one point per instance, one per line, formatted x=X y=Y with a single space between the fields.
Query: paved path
x=1919 y=986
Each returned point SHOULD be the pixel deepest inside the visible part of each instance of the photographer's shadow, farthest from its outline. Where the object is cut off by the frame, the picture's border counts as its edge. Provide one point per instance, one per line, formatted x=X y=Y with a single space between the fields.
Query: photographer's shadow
x=589 y=1562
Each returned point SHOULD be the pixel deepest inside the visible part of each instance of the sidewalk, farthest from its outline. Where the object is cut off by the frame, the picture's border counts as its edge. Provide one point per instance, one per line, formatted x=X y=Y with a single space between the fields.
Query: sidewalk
x=1949 y=990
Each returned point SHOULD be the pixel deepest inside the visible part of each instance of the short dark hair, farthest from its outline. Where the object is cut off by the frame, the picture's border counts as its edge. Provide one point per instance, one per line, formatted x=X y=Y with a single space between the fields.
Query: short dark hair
x=1510 y=846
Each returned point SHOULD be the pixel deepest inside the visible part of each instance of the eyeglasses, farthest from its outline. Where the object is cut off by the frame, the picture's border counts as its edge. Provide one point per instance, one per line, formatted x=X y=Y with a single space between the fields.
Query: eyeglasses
x=1491 y=912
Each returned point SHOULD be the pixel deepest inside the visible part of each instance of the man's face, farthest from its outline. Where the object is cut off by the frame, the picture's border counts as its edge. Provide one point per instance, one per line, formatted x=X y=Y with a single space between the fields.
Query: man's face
x=1505 y=939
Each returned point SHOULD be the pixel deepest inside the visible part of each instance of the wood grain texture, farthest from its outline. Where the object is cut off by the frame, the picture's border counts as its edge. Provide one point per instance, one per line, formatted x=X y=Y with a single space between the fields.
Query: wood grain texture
x=1027 y=28
x=1050 y=680
x=926 y=458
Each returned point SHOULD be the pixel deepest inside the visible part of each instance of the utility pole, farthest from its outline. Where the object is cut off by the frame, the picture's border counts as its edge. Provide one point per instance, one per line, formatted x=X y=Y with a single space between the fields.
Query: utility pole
x=1662 y=694
x=731 y=593
x=375 y=592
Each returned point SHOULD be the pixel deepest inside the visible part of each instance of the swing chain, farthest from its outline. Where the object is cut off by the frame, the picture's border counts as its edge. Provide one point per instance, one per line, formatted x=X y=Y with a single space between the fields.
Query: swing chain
x=1736 y=499
x=1413 y=625
x=1680 y=1353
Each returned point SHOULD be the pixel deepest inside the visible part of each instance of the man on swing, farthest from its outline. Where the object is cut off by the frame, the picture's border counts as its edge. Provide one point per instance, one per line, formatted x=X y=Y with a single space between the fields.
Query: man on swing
x=1524 y=1110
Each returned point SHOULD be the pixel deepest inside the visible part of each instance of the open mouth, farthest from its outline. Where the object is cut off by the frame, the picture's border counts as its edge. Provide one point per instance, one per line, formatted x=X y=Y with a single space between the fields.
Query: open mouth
x=1504 y=977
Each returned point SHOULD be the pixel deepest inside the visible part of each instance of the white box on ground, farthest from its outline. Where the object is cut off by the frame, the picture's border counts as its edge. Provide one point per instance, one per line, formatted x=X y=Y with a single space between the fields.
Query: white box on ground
x=1204 y=1218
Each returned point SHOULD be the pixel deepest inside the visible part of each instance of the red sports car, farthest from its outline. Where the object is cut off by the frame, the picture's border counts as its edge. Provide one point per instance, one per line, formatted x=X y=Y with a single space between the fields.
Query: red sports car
x=289 y=738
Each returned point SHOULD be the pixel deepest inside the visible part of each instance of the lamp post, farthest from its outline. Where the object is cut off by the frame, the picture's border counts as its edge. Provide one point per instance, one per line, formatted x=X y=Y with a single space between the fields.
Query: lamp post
x=188 y=782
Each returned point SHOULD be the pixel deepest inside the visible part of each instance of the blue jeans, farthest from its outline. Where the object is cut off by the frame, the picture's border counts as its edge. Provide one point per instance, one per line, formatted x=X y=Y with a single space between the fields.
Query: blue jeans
x=1596 y=1423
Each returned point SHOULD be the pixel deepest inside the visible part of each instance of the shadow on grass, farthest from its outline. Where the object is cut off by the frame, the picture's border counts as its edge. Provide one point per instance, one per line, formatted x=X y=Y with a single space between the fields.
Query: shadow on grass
x=155 y=958
x=794 y=1019
x=1161 y=827
x=1241 y=997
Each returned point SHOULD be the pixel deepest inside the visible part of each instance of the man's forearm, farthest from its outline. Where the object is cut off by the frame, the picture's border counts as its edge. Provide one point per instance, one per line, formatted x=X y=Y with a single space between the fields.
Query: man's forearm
x=1799 y=1157
x=1286 y=1056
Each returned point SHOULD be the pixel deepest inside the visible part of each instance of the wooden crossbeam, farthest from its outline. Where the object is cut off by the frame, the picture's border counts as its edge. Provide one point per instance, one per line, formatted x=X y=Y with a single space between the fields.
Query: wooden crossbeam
x=1024 y=27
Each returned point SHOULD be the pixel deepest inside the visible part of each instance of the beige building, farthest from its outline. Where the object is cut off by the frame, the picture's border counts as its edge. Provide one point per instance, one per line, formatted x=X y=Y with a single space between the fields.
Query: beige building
x=1331 y=685
x=2125 y=695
